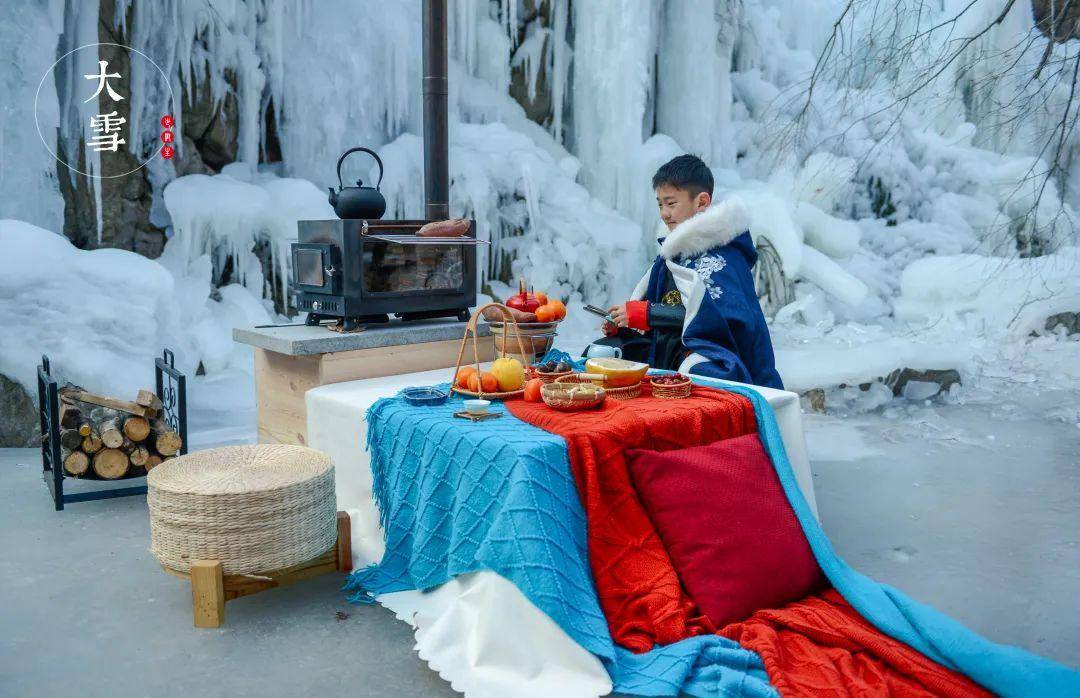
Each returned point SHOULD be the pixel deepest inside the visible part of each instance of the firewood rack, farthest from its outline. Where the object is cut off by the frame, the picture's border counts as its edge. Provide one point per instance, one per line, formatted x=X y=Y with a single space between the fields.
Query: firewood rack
x=171 y=389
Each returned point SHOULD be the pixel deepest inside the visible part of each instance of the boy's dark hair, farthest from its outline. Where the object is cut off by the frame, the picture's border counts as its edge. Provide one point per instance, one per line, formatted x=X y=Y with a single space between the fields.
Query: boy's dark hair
x=686 y=172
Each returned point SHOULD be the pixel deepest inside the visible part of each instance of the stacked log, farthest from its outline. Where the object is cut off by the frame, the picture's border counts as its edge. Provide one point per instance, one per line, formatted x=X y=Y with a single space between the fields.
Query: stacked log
x=108 y=439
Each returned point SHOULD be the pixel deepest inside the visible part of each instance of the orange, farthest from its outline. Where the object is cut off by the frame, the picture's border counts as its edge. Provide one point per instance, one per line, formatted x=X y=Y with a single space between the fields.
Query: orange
x=560 y=308
x=542 y=297
x=532 y=390
x=484 y=380
x=461 y=380
x=545 y=313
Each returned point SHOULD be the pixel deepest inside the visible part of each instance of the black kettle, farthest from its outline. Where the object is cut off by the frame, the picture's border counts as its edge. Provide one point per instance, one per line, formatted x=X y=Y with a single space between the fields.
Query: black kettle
x=358 y=201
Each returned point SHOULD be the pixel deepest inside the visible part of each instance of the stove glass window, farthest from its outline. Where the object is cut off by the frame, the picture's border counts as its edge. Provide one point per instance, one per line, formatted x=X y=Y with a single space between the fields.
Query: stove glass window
x=393 y=268
x=309 y=268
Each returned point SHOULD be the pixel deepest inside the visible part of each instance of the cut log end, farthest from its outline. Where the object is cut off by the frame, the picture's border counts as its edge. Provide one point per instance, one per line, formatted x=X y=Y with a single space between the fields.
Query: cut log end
x=92 y=443
x=166 y=441
x=70 y=439
x=139 y=455
x=76 y=463
x=111 y=434
x=111 y=463
x=152 y=462
x=136 y=428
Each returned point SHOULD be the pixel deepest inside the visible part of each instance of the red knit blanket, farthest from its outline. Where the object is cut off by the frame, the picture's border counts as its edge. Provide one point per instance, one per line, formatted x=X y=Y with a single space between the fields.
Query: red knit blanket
x=820 y=647
x=639 y=590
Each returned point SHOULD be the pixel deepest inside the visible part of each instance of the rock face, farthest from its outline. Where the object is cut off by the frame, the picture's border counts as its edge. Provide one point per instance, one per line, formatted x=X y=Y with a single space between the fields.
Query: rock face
x=538 y=107
x=18 y=416
x=1070 y=321
x=126 y=200
x=209 y=139
x=213 y=129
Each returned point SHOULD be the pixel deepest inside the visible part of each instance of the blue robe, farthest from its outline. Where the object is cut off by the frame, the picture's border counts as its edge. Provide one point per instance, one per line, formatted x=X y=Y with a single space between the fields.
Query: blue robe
x=710 y=257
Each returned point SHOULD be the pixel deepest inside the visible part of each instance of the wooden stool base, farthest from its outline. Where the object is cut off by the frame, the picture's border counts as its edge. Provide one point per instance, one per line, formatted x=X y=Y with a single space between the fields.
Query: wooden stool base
x=210 y=588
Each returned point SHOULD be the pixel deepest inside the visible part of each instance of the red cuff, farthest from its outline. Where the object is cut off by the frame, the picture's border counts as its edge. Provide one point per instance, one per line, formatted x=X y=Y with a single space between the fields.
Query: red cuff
x=637 y=315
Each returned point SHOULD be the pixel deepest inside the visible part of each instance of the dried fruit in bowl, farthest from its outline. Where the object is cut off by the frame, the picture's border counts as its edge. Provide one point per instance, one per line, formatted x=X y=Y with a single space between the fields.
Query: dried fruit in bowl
x=673 y=379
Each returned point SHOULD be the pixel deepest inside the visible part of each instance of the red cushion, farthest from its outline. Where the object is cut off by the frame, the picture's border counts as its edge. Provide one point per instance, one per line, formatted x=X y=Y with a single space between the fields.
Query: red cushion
x=724 y=519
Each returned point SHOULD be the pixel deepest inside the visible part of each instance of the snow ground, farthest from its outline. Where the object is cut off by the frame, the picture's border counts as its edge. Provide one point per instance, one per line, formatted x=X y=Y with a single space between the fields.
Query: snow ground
x=972 y=506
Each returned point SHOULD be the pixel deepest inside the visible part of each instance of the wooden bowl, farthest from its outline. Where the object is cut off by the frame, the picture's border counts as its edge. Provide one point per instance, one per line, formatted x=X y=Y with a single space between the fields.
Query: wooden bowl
x=557 y=395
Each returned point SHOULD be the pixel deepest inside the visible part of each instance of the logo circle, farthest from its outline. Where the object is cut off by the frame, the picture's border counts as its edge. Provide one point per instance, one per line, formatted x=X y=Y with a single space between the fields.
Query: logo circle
x=37 y=121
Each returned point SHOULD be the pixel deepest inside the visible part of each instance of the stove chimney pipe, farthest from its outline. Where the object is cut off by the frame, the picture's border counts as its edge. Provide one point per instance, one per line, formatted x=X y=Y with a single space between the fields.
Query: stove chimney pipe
x=436 y=139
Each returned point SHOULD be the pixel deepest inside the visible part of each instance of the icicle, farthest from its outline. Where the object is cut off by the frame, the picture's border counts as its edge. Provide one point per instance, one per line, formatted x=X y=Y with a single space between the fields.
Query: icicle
x=559 y=66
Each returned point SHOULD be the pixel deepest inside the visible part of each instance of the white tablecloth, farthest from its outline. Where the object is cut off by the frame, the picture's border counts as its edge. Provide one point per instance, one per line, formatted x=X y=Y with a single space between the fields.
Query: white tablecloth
x=478 y=631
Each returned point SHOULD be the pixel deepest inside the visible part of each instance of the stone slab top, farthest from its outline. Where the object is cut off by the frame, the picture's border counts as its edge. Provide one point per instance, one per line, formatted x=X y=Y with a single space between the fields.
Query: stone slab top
x=302 y=340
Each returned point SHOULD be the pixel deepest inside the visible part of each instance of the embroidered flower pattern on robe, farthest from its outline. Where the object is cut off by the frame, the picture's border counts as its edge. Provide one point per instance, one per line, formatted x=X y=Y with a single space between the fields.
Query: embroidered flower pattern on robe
x=705 y=267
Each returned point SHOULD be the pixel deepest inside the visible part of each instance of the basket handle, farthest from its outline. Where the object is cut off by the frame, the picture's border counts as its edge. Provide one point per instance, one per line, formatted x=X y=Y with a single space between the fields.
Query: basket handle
x=472 y=327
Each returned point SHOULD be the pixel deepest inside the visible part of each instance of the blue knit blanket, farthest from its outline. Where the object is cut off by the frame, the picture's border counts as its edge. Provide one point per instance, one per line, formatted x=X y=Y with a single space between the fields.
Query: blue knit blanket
x=499 y=495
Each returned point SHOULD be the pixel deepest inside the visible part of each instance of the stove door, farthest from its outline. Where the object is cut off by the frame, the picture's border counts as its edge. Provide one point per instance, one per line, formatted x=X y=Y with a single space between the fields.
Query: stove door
x=316 y=268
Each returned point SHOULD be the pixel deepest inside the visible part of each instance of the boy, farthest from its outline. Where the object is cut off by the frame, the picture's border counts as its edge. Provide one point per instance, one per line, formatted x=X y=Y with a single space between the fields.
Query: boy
x=695 y=310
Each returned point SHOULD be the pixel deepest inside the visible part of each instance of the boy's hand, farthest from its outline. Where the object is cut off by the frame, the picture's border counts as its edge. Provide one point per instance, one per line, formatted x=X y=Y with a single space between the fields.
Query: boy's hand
x=619 y=315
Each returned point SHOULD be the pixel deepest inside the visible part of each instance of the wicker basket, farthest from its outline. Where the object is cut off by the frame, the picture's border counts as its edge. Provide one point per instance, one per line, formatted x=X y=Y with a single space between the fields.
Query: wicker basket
x=254 y=508
x=624 y=393
x=553 y=394
x=506 y=333
x=551 y=377
x=671 y=392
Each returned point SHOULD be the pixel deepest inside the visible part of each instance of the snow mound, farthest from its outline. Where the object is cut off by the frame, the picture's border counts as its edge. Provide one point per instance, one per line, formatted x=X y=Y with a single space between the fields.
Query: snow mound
x=103 y=316
x=100 y=315
x=1004 y=293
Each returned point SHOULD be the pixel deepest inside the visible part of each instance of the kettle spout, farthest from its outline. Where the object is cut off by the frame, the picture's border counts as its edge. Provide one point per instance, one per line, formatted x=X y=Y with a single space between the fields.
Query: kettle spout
x=333 y=196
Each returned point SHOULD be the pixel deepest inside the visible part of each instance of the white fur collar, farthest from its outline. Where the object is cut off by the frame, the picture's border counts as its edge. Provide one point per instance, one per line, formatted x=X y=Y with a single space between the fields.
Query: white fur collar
x=715 y=226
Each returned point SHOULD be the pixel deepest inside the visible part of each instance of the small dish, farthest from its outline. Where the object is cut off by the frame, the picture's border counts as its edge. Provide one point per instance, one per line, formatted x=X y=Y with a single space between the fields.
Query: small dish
x=477 y=407
x=424 y=397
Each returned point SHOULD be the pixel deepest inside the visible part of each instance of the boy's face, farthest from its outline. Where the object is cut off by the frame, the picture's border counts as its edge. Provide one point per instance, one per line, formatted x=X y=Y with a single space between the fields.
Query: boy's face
x=676 y=205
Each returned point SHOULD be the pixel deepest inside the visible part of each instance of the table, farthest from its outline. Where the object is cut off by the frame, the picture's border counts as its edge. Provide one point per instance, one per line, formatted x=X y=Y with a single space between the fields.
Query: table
x=461 y=626
x=292 y=359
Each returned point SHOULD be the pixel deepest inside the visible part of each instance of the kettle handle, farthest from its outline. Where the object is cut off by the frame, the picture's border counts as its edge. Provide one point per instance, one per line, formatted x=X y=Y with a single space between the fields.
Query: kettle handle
x=372 y=153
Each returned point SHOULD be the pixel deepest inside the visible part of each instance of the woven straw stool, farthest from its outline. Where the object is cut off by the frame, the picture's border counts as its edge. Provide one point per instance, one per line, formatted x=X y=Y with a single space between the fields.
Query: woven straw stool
x=243 y=519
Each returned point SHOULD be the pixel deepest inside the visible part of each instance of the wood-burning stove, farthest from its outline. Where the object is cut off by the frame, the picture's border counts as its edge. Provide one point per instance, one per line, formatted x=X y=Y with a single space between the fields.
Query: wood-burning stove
x=361 y=271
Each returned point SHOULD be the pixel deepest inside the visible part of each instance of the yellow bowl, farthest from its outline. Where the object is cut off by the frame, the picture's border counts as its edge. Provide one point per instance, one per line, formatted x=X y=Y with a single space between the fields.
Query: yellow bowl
x=618 y=373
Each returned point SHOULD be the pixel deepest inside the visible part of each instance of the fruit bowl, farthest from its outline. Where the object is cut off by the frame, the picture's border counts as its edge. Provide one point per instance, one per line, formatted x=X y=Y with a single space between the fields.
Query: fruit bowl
x=618 y=373
x=551 y=371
